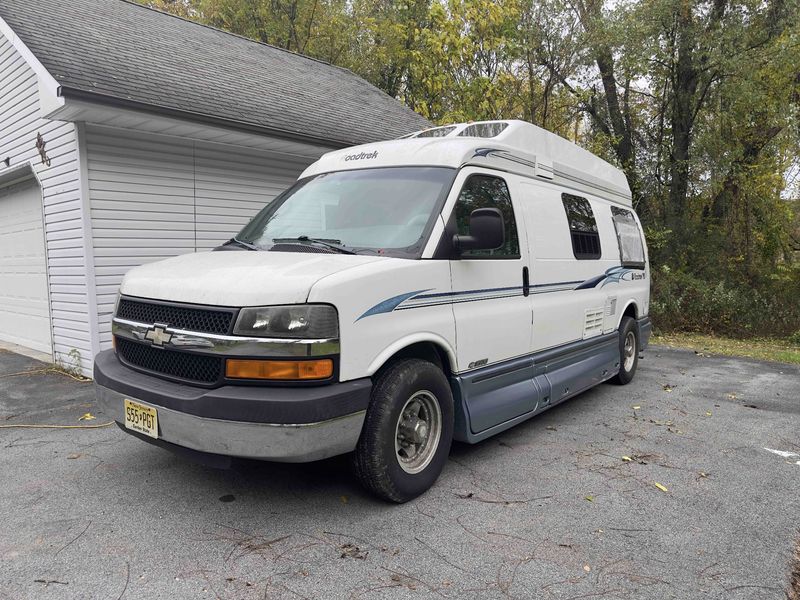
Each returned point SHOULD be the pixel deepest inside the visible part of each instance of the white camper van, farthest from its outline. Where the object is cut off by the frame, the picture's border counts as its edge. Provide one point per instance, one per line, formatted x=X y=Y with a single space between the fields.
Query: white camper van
x=447 y=285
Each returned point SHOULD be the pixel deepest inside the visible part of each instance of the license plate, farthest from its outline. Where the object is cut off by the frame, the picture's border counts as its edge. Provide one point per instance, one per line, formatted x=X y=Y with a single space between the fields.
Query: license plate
x=141 y=418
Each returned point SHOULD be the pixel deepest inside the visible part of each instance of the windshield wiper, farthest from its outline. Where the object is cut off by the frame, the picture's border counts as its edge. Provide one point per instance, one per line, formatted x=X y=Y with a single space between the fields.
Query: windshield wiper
x=327 y=243
x=248 y=245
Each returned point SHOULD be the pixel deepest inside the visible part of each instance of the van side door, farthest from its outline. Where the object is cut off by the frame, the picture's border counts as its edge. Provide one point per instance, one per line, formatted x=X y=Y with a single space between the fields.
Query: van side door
x=571 y=249
x=491 y=309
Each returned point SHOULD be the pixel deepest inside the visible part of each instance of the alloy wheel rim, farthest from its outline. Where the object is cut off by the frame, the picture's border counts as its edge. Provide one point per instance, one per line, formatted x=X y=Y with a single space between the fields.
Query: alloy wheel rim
x=629 y=351
x=418 y=431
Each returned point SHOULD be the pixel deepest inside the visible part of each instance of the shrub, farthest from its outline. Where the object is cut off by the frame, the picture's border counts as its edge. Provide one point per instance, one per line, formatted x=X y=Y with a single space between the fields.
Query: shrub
x=683 y=302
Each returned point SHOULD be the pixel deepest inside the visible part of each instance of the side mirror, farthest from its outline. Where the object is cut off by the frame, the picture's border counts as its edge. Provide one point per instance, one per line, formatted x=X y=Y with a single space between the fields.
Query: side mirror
x=486 y=231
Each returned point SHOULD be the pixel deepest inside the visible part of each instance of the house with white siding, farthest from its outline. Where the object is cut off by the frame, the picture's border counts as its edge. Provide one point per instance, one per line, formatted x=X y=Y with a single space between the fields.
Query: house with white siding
x=128 y=135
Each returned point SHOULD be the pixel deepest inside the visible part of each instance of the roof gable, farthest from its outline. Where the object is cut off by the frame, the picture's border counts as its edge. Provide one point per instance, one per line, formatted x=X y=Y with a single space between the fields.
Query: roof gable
x=119 y=51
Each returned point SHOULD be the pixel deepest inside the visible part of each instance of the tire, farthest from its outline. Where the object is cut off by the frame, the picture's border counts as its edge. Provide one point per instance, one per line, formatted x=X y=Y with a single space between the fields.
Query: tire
x=628 y=343
x=399 y=469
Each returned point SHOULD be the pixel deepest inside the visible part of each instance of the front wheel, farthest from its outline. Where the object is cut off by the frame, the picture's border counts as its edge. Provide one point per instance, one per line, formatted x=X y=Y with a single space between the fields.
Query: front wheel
x=628 y=350
x=407 y=432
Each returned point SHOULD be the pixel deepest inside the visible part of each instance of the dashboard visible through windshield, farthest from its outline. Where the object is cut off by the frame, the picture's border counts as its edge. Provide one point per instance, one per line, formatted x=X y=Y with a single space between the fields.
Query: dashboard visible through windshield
x=388 y=210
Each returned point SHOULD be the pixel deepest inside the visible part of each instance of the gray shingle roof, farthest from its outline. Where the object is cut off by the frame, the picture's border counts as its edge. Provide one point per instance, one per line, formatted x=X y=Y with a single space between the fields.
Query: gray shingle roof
x=114 y=49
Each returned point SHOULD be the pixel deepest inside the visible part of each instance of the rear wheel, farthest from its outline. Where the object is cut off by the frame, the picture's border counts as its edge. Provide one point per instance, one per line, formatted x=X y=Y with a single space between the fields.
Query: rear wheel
x=407 y=432
x=628 y=350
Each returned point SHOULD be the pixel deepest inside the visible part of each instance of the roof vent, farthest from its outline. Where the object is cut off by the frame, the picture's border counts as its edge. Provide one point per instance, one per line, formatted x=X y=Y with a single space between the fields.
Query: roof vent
x=436 y=132
x=483 y=130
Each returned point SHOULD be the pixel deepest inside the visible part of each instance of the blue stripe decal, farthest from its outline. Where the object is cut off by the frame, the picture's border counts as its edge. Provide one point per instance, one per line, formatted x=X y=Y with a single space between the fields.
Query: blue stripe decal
x=612 y=275
x=484 y=291
x=590 y=283
x=541 y=285
x=389 y=304
x=615 y=275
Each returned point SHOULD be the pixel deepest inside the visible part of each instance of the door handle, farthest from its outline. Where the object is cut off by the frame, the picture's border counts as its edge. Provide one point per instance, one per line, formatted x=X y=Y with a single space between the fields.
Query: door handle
x=526 y=282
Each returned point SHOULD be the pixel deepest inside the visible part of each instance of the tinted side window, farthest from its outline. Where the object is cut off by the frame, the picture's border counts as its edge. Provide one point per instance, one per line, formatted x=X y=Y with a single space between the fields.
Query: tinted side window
x=484 y=191
x=582 y=227
x=631 y=249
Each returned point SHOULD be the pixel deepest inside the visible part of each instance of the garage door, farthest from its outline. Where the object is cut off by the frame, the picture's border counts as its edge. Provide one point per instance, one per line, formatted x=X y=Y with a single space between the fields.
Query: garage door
x=24 y=308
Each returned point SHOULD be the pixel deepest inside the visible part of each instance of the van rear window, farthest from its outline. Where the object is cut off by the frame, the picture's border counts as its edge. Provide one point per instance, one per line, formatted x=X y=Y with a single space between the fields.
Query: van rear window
x=582 y=227
x=631 y=249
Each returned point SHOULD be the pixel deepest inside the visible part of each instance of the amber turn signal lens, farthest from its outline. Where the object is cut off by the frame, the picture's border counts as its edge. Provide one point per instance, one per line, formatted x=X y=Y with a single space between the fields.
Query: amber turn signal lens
x=284 y=370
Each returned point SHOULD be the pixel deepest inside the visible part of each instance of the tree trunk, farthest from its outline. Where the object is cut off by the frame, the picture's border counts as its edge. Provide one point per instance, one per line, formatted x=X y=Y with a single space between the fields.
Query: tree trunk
x=684 y=80
x=620 y=130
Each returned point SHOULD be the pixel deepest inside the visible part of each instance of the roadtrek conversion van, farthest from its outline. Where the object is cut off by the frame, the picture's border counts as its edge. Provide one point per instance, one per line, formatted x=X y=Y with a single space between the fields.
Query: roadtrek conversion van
x=402 y=294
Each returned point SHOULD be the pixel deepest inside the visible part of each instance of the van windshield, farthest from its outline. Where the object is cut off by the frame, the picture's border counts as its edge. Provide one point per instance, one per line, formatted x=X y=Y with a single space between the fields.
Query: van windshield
x=383 y=210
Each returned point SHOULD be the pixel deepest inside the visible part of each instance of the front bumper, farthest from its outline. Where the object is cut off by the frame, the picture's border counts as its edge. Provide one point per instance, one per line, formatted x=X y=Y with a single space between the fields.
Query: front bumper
x=298 y=424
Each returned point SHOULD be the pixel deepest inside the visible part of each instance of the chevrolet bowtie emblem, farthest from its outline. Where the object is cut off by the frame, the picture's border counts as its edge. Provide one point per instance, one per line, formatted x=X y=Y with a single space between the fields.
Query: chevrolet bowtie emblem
x=158 y=335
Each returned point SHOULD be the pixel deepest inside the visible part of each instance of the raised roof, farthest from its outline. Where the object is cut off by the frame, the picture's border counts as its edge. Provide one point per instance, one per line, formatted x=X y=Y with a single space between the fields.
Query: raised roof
x=511 y=145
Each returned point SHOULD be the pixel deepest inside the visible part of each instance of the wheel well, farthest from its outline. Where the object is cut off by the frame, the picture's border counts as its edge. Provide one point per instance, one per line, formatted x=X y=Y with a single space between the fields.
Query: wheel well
x=426 y=351
x=630 y=311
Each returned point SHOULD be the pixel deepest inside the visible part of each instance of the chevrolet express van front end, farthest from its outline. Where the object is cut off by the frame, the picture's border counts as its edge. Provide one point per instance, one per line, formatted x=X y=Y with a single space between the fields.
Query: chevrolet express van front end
x=181 y=373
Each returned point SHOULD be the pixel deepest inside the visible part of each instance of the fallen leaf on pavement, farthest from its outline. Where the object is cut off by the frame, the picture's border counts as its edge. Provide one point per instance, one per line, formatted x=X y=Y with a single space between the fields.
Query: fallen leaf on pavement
x=663 y=488
x=75 y=455
x=589 y=498
x=352 y=551
x=627 y=459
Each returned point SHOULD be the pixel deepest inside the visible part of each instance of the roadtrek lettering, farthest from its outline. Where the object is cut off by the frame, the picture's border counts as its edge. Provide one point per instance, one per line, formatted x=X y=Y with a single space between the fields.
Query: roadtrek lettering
x=362 y=156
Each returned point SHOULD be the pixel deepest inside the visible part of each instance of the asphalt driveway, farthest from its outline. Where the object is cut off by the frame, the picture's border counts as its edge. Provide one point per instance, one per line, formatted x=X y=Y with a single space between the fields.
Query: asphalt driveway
x=698 y=508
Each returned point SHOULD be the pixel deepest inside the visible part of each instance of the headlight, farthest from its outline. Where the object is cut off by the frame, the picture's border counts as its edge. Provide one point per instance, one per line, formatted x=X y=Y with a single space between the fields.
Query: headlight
x=302 y=321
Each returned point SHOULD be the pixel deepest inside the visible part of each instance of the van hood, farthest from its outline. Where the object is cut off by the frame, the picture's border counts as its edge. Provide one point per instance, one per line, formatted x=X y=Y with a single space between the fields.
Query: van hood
x=237 y=278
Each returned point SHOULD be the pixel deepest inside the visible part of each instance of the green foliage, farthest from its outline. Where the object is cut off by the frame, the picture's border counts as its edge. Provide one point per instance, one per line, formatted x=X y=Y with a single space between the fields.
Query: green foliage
x=70 y=363
x=683 y=302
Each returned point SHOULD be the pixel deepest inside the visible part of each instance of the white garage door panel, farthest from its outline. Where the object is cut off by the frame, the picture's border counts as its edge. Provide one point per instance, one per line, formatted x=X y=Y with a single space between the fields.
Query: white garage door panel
x=24 y=307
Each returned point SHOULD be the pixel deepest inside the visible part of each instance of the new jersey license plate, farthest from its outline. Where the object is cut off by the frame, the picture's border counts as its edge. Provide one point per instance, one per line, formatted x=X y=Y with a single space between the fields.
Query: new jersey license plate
x=141 y=418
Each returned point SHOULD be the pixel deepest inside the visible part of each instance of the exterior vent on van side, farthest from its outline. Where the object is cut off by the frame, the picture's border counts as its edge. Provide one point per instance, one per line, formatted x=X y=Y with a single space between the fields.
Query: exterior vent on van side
x=611 y=307
x=593 y=323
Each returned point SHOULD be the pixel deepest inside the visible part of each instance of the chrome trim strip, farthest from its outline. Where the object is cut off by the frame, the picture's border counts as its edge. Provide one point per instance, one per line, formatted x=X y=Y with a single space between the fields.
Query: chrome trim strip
x=228 y=345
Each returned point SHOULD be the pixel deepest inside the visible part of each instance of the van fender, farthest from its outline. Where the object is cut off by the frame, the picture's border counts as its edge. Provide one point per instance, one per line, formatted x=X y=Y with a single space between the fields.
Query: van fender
x=409 y=340
x=636 y=311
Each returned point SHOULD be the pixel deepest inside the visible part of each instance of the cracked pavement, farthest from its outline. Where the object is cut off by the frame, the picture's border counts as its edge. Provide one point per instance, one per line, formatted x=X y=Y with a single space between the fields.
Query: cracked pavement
x=564 y=506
